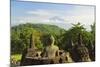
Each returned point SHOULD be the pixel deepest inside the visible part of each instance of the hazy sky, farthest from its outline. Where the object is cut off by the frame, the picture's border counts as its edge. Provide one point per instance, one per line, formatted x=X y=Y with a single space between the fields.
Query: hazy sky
x=61 y=15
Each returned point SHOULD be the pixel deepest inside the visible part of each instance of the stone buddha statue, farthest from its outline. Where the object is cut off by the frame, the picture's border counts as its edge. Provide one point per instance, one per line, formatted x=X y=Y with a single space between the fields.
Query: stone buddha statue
x=51 y=50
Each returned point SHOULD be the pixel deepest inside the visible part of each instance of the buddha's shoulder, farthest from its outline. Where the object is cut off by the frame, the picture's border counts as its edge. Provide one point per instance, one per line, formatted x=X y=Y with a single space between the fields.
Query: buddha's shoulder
x=55 y=46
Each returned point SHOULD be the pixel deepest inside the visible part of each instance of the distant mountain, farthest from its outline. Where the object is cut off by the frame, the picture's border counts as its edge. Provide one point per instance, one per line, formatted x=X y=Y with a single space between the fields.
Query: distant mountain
x=44 y=28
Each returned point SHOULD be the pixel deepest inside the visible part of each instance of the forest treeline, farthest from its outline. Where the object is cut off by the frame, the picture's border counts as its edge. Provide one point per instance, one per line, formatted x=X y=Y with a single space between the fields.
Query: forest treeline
x=64 y=39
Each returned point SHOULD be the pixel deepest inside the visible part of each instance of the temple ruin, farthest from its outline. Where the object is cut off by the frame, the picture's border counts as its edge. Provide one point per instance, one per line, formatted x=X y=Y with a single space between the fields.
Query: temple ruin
x=52 y=55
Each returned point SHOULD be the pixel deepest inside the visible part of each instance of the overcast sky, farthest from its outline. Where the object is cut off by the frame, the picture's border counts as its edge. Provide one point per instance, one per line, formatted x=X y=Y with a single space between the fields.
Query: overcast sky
x=62 y=15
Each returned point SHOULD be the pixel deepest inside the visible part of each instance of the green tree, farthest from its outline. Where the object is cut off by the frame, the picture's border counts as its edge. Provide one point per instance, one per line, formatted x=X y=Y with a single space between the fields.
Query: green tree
x=70 y=38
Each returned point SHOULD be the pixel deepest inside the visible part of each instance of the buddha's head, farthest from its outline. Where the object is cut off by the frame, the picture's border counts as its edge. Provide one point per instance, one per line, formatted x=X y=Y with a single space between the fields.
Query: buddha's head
x=48 y=40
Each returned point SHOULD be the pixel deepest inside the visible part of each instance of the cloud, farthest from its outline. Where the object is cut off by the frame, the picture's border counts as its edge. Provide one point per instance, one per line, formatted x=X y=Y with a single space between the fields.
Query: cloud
x=83 y=14
x=43 y=16
x=39 y=12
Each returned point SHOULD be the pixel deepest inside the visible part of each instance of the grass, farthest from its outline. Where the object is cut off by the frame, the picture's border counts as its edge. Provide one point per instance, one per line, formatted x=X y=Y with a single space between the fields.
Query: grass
x=16 y=57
